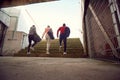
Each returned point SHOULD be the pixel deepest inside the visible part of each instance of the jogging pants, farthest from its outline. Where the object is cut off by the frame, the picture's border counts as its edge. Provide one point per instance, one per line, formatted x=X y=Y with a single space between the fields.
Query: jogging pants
x=64 y=39
x=48 y=42
x=30 y=39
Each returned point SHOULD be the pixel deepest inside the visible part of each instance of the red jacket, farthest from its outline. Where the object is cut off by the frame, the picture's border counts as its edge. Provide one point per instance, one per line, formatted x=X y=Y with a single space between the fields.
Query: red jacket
x=61 y=30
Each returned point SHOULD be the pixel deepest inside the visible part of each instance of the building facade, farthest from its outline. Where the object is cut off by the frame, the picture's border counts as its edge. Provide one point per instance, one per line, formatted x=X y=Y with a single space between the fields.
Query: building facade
x=11 y=40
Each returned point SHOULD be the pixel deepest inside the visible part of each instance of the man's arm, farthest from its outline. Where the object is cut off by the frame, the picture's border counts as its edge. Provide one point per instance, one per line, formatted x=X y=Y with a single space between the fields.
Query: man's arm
x=58 y=31
x=44 y=33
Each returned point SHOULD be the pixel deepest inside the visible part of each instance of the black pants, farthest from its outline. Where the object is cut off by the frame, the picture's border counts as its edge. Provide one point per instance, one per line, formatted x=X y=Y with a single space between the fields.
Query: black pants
x=64 y=39
x=30 y=39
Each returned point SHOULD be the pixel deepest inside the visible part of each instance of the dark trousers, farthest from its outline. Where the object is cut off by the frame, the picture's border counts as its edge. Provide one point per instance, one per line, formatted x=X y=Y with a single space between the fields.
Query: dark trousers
x=64 y=39
x=30 y=39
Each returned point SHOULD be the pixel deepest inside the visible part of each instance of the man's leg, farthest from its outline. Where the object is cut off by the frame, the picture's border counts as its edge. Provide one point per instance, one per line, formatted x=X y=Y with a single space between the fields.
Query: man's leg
x=30 y=40
x=60 y=39
x=34 y=43
x=48 y=47
x=60 y=42
x=65 y=44
x=32 y=46
x=48 y=44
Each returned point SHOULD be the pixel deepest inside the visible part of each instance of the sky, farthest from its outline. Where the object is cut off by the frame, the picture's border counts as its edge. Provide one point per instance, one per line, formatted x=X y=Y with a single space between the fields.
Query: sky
x=53 y=13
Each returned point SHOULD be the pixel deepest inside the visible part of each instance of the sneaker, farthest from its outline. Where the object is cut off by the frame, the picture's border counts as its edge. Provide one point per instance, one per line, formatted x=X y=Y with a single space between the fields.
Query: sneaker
x=60 y=48
x=28 y=52
x=47 y=52
x=64 y=53
x=32 y=48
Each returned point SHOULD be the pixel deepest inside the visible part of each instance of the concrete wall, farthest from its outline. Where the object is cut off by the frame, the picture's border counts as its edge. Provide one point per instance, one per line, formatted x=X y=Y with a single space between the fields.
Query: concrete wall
x=14 y=44
x=13 y=23
x=5 y=18
x=14 y=40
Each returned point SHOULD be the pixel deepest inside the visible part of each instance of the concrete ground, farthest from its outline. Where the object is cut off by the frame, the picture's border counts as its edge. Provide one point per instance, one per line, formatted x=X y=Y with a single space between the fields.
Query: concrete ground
x=41 y=68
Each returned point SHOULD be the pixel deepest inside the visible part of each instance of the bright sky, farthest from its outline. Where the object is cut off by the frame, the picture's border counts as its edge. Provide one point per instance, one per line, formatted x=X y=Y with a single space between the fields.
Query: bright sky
x=53 y=13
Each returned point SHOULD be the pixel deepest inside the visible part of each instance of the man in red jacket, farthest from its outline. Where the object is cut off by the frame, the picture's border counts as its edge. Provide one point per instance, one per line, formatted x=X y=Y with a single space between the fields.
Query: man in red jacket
x=62 y=37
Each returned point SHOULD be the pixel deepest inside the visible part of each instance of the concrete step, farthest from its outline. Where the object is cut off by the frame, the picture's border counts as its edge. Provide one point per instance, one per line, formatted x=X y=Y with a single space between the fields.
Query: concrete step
x=74 y=49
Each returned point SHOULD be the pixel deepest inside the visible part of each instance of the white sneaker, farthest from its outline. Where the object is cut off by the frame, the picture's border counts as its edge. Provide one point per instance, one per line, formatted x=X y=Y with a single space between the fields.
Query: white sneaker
x=28 y=52
x=64 y=53
x=32 y=48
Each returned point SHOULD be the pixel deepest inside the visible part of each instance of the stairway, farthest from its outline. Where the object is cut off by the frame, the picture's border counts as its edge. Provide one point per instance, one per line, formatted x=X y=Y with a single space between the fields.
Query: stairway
x=74 y=49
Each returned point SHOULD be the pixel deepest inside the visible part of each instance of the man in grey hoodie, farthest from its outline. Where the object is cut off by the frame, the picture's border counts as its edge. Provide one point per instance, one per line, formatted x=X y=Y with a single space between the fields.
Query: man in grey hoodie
x=31 y=34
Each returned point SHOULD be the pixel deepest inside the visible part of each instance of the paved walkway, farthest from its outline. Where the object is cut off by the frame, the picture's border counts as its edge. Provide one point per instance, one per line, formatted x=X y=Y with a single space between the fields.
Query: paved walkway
x=41 y=68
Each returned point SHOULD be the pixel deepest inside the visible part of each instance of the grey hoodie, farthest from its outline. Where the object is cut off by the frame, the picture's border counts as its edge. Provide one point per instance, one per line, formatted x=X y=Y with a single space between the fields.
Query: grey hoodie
x=32 y=30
